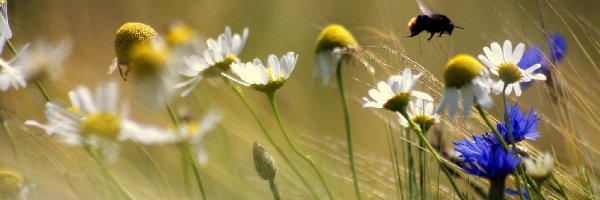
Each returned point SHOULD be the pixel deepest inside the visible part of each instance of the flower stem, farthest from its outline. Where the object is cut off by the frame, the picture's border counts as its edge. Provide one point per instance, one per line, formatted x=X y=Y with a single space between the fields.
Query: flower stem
x=274 y=189
x=305 y=157
x=488 y=122
x=108 y=175
x=240 y=95
x=430 y=148
x=496 y=191
x=38 y=84
x=340 y=83
x=187 y=158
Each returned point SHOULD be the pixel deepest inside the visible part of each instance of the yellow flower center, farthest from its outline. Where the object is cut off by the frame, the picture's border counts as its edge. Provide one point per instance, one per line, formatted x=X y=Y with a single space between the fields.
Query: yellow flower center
x=509 y=73
x=461 y=70
x=219 y=67
x=130 y=36
x=73 y=109
x=333 y=36
x=192 y=129
x=147 y=62
x=397 y=103
x=10 y=181
x=102 y=124
x=179 y=34
x=425 y=122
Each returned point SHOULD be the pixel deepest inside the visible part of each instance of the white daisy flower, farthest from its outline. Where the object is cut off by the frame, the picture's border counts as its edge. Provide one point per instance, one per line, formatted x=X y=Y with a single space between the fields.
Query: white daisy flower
x=266 y=79
x=502 y=62
x=213 y=61
x=193 y=134
x=395 y=94
x=465 y=78
x=539 y=168
x=43 y=58
x=154 y=72
x=333 y=42
x=420 y=112
x=5 y=30
x=95 y=122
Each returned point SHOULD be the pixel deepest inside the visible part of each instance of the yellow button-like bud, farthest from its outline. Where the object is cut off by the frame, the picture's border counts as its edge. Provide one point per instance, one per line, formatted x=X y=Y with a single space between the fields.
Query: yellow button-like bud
x=179 y=34
x=397 y=103
x=461 y=70
x=130 y=36
x=335 y=36
x=147 y=61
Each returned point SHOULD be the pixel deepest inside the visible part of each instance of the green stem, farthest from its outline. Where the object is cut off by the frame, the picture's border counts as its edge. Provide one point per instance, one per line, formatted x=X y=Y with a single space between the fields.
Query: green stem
x=38 y=84
x=411 y=166
x=488 y=122
x=305 y=157
x=187 y=157
x=107 y=174
x=430 y=148
x=520 y=172
x=240 y=95
x=496 y=191
x=274 y=189
x=340 y=83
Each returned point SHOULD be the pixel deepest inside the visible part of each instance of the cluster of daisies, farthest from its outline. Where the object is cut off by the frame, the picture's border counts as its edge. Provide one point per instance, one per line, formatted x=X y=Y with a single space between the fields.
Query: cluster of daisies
x=466 y=77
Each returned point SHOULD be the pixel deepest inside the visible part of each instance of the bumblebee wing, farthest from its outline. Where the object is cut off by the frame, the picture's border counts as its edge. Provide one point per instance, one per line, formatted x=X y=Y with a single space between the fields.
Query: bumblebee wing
x=423 y=8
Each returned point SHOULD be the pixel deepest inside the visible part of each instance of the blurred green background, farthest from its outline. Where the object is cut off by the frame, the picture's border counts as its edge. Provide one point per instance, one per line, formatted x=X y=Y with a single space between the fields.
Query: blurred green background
x=312 y=113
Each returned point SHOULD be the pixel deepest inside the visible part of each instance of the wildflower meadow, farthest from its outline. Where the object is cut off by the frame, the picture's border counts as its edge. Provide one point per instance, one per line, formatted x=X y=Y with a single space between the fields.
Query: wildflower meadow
x=239 y=99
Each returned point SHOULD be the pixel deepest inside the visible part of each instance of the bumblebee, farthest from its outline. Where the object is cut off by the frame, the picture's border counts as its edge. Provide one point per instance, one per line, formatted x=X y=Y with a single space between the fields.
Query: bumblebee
x=430 y=22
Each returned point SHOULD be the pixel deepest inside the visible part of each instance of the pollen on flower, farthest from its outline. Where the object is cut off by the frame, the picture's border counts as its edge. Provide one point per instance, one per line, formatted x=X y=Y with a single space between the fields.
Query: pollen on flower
x=130 y=36
x=398 y=103
x=102 y=124
x=179 y=33
x=191 y=128
x=334 y=36
x=509 y=73
x=10 y=181
x=461 y=70
x=147 y=61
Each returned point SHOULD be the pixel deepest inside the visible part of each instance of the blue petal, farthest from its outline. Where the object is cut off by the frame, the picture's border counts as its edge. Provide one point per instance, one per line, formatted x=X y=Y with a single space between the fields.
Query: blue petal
x=557 y=47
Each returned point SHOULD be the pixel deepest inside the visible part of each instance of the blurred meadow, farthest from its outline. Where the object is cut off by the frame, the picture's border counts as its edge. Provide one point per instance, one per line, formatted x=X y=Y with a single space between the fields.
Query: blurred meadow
x=311 y=112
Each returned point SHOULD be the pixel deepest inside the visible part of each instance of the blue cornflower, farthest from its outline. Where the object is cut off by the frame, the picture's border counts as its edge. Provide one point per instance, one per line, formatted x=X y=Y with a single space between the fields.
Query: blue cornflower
x=486 y=158
x=557 y=47
x=521 y=126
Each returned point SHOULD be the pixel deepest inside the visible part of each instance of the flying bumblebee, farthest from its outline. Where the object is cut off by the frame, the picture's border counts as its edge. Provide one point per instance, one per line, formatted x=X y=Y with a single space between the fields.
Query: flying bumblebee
x=430 y=22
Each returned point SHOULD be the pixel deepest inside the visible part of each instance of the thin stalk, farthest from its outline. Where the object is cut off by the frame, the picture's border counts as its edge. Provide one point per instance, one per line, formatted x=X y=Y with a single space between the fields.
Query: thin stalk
x=37 y=82
x=239 y=94
x=496 y=191
x=305 y=157
x=340 y=83
x=422 y=173
x=394 y=159
x=488 y=122
x=520 y=172
x=411 y=166
x=187 y=158
x=430 y=148
x=274 y=189
x=107 y=174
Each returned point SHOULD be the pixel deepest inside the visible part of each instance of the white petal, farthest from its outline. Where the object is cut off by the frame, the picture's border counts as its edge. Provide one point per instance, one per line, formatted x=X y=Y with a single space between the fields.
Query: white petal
x=491 y=56
x=507 y=50
x=468 y=97
x=497 y=88
x=486 y=61
x=517 y=88
x=497 y=53
x=422 y=95
x=273 y=64
x=518 y=53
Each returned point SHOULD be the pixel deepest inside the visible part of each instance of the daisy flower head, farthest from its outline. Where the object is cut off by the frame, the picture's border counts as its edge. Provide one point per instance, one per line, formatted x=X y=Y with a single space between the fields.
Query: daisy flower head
x=333 y=42
x=130 y=36
x=465 y=77
x=421 y=113
x=11 y=76
x=95 y=121
x=539 y=168
x=153 y=71
x=266 y=79
x=12 y=185
x=395 y=94
x=503 y=62
x=213 y=61
x=44 y=59
x=193 y=133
